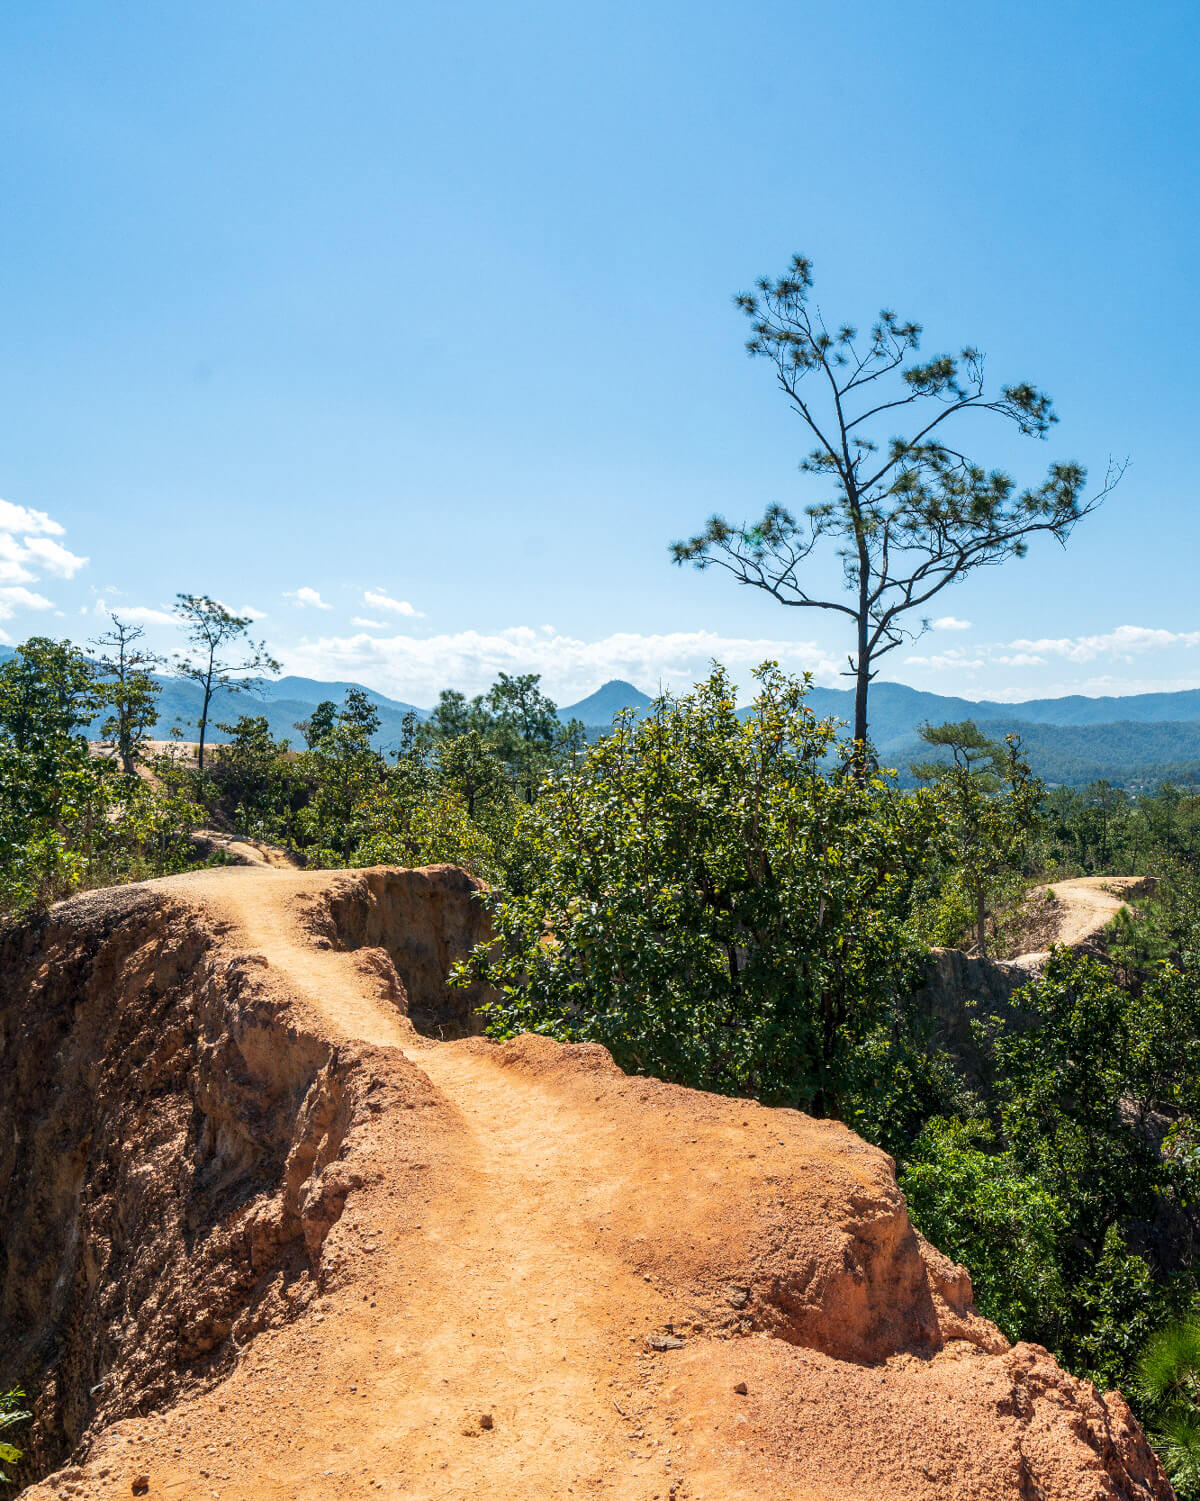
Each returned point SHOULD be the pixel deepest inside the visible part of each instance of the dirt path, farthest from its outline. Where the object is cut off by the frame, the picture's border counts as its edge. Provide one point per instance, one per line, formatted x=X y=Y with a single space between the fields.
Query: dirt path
x=493 y=1316
x=556 y=1281
x=1084 y=908
x=242 y=850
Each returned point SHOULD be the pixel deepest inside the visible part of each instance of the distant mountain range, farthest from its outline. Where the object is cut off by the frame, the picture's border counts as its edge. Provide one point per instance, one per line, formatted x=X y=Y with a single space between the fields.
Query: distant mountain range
x=284 y=702
x=1134 y=741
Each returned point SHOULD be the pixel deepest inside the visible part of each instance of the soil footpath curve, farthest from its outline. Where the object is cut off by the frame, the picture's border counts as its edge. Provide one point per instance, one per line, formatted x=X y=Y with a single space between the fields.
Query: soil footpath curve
x=1084 y=907
x=549 y=1280
x=241 y=849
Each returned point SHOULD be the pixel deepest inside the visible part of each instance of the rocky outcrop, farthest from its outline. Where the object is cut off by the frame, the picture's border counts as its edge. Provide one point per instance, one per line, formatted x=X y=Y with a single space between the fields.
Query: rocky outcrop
x=171 y=1157
x=250 y=1255
x=959 y=990
x=424 y=921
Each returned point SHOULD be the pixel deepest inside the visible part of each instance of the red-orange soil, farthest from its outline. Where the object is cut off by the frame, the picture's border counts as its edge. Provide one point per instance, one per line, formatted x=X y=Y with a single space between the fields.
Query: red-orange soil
x=269 y=1241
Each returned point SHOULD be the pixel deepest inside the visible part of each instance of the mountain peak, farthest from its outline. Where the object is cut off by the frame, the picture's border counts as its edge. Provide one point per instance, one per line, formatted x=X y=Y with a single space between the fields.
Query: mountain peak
x=609 y=699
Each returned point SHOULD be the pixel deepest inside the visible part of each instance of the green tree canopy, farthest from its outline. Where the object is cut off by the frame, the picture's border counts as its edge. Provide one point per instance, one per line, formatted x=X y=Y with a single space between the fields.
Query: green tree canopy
x=990 y=802
x=212 y=631
x=67 y=818
x=906 y=516
x=48 y=691
x=699 y=896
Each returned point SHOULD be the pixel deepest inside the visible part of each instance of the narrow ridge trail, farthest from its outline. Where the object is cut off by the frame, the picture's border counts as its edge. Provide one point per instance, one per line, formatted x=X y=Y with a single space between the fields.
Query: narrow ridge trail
x=551 y=1280
x=1085 y=905
x=499 y=1323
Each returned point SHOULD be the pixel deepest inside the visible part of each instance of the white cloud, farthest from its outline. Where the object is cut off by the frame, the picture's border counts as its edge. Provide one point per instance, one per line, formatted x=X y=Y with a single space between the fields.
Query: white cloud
x=378 y=600
x=27 y=523
x=371 y=625
x=1022 y=659
x=1123 y=644
x=306 y=597
x=27 y=550
x=137 y=614
x=1126 y=642
x=14 y=561
x=248 y=612
x=16 y=597
x=54 y=556
x=953 y=658
x=416 y=669
x=949 y=623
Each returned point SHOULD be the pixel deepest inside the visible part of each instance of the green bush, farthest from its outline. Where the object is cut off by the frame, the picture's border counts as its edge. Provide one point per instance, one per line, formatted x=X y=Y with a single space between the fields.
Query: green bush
x=11 y=1415
x=1086 y=1144
x=1168 y=1390
x=69 y=819
x=975 y=1204
x=699 y=896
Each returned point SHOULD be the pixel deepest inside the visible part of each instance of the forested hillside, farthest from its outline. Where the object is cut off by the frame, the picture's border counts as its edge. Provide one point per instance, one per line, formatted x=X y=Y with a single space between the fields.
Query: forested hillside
x=1135 y=742
x=740 y=904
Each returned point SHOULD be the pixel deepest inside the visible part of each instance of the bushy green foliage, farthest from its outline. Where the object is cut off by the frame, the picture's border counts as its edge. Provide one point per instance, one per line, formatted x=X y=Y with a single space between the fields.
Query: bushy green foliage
x=67 y=818
x=974 y=1203
x=513 y=731
x=701 y=898
x=1091 y=1112
x=12 y=1414
x=897 y=1080
x=1102 y=829
x=989 y=801
x=451 y=791
x=1167 y=1387
x=347 y=804
x=257 y=779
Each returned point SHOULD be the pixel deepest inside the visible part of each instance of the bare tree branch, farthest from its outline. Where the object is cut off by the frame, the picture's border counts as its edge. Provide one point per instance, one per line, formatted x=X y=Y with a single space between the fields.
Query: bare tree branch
x=926 y=516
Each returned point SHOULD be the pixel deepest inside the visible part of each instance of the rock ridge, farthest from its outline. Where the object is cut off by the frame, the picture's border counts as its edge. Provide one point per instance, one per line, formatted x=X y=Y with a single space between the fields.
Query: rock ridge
x=266 y=1240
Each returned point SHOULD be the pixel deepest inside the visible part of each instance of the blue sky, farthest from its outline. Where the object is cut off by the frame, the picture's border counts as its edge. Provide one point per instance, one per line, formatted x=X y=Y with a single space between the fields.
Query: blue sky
x=423 y=312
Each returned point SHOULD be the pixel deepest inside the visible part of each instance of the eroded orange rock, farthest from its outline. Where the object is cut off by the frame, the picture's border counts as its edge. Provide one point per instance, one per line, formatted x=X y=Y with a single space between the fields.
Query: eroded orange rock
x=268 y=1240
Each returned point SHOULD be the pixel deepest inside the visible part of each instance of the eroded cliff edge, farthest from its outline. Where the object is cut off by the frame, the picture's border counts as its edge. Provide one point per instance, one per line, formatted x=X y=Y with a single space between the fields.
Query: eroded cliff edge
x=265 y=1239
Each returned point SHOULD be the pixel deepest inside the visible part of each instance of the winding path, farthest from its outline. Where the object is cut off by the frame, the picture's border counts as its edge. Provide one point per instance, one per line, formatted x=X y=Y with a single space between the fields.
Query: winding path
x=533 y=1295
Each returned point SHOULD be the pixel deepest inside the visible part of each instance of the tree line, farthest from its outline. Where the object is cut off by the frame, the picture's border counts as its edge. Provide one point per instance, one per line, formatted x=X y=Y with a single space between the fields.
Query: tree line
x=746 y=902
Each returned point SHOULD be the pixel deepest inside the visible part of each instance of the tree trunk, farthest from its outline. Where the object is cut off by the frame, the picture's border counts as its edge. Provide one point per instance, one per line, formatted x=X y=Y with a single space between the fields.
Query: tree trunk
x=862 y=661
x=203 y=729
x=981 y=923
x=862 y=683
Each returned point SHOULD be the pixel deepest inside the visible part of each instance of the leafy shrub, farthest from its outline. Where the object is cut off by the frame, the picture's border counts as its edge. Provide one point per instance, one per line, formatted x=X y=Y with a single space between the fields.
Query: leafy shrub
x=11 y=1415
x=1168 y=1388
x=1087 y=1147
x=698 y=895
x=977 y=1206
x=69 y=819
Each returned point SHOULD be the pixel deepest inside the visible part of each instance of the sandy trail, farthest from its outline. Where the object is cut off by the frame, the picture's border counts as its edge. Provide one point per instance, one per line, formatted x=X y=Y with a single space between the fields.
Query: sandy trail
x=1086 y=905
x=495 y=1311
x=242 y=850
x=530 y=1227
